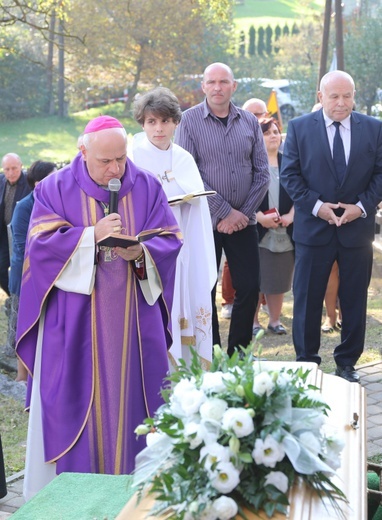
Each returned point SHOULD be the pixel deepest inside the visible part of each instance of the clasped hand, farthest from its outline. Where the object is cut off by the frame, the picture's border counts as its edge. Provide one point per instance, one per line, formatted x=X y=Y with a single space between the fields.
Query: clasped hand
x=234 y=221
x=351 y=212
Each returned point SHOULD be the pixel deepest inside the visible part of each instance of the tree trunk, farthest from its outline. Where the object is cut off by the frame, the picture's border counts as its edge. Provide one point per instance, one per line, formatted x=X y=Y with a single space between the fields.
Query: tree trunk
x=325 y=41
x=50 y=102
x=61 y=70
x=339 y=36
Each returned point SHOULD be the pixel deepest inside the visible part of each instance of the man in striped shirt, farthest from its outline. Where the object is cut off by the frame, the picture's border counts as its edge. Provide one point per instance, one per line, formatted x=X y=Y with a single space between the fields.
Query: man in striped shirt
x=227 y=145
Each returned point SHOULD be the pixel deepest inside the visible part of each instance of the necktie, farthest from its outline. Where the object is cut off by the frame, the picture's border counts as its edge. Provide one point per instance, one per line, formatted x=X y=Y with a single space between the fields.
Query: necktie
x=10 y=192
x=339 y=153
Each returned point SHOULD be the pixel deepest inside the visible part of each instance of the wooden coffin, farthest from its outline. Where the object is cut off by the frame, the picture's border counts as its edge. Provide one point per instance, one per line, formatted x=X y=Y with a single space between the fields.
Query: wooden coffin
x=348 y=416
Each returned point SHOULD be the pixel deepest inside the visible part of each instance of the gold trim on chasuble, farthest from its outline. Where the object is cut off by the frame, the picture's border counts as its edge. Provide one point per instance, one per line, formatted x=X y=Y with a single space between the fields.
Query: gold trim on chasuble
x=88 y=207
x=128 y=210
x=89 y=215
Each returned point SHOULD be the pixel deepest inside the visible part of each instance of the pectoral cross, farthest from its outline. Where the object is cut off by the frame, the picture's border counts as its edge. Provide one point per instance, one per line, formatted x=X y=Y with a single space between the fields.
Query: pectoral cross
x=166 y=176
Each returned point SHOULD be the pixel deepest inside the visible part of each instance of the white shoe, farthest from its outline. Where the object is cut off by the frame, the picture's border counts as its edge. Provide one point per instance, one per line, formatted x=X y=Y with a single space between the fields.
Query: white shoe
x=226 y=311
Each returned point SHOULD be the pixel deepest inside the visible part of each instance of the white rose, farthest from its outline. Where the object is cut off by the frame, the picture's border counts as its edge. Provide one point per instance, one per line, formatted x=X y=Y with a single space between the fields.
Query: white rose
x=194 y=434
x=239 y=421
x=225 y=478
x=154 y=437
x=186 y=399
x=225 y=508
x=277 y=479
x=215 y=453
x=334 y=446
x=184 y=385
x=263 y=384
x=314 y=395
x=213 y=409
x=191 y=402
x=268 y=452
x=284 y=379
x=229 y=377
x=213 y=382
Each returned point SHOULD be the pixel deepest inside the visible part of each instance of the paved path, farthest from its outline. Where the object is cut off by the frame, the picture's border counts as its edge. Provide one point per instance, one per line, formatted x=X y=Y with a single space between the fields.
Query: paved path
x=371 y=379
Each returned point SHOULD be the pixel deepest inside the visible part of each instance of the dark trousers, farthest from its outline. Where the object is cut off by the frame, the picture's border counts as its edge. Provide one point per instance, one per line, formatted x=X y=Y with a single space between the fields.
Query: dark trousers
x=311 y=274
x=3 y=483
x=4 y=260
x=242 y=253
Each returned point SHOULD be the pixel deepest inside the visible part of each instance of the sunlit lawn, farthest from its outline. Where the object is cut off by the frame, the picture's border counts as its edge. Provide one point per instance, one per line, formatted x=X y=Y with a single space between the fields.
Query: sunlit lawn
x=273 y=12
x=52 y=138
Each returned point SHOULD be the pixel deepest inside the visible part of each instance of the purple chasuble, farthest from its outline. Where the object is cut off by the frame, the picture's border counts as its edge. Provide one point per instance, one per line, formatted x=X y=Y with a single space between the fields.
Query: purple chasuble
x=104 y=356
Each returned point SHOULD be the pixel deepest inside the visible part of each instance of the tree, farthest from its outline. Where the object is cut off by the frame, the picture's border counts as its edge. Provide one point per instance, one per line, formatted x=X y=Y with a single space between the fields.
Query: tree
x=295 y=29
x=260 y=41
x=34 y=14
x=363 y=43
x=298 y=61
x=23 y=86
x=242 y=43
x=136 y=47
x=268 y=40
x=277 y=37
x=252 y=41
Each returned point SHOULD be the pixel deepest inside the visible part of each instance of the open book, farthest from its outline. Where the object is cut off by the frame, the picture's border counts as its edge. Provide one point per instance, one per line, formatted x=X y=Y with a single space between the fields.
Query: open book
x=120 y=240
x=185 y=197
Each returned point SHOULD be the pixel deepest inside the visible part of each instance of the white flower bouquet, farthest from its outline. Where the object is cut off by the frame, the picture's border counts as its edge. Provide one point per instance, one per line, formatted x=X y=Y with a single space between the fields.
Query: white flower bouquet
x=236 y=436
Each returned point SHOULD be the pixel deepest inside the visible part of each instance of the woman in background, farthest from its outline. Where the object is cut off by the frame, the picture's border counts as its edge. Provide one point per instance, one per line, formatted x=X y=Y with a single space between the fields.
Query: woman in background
x=274 y=224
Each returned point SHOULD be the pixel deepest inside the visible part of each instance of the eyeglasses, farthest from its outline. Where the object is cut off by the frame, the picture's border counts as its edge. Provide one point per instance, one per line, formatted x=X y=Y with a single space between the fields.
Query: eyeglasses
x=259 y=114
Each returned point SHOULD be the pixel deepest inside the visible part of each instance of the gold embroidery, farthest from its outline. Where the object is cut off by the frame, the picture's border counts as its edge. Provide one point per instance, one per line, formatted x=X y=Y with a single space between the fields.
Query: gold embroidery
x=183 y=322
x=50 y=226
x=203 y=317
x=190 y=341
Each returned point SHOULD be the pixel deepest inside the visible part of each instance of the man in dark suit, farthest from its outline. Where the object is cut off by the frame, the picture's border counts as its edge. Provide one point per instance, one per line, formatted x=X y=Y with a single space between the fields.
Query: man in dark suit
x=13 y=187
x=334 y=177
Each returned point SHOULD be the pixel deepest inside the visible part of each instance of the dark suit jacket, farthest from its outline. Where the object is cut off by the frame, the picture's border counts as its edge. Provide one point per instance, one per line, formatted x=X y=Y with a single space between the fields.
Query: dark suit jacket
x=285 y=203
x=308 y=174
x=22 y=190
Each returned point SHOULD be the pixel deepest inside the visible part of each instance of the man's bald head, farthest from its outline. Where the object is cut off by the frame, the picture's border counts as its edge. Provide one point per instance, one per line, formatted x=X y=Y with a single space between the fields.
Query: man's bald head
x=12 y=167
x=256 y=106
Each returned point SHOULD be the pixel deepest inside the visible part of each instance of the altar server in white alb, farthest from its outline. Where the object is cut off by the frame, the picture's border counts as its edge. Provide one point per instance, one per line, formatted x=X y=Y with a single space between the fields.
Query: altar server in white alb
x=159 y=113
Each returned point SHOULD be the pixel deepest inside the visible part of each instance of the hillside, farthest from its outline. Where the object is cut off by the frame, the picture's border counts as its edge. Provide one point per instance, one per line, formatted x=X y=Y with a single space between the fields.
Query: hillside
x=273 y=12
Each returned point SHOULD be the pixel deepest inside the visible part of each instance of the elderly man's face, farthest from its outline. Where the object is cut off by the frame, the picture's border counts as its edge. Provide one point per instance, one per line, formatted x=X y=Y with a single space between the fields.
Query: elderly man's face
x=105 y=155
x=12 y=168
x=337 y=97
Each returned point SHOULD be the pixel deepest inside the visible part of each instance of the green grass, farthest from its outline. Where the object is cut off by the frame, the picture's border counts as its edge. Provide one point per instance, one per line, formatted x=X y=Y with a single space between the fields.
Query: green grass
x=273 y=12
x=52 y=138
x=14 y=422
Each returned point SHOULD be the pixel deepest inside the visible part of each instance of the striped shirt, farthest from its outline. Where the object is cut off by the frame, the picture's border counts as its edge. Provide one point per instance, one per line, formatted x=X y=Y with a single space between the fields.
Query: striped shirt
x=232 y=159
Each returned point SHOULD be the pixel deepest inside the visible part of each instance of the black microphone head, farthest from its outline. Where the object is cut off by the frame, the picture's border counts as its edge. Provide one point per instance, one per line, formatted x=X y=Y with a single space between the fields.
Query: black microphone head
x=114 y=185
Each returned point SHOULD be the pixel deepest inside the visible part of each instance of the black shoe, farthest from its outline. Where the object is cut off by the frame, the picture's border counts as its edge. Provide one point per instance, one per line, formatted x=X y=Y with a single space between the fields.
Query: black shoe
x=347 y=372
x=278 y=329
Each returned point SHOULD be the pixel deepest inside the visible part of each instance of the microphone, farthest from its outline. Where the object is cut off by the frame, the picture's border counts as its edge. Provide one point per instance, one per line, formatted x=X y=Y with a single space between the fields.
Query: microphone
x=114 y=187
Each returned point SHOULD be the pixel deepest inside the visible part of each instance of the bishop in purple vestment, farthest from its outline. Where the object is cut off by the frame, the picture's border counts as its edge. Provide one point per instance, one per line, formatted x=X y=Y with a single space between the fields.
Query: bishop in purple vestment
x=94 y=323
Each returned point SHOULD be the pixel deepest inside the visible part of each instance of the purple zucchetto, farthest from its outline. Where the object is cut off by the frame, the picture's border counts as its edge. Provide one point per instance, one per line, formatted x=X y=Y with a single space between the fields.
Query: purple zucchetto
x=102 y=123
